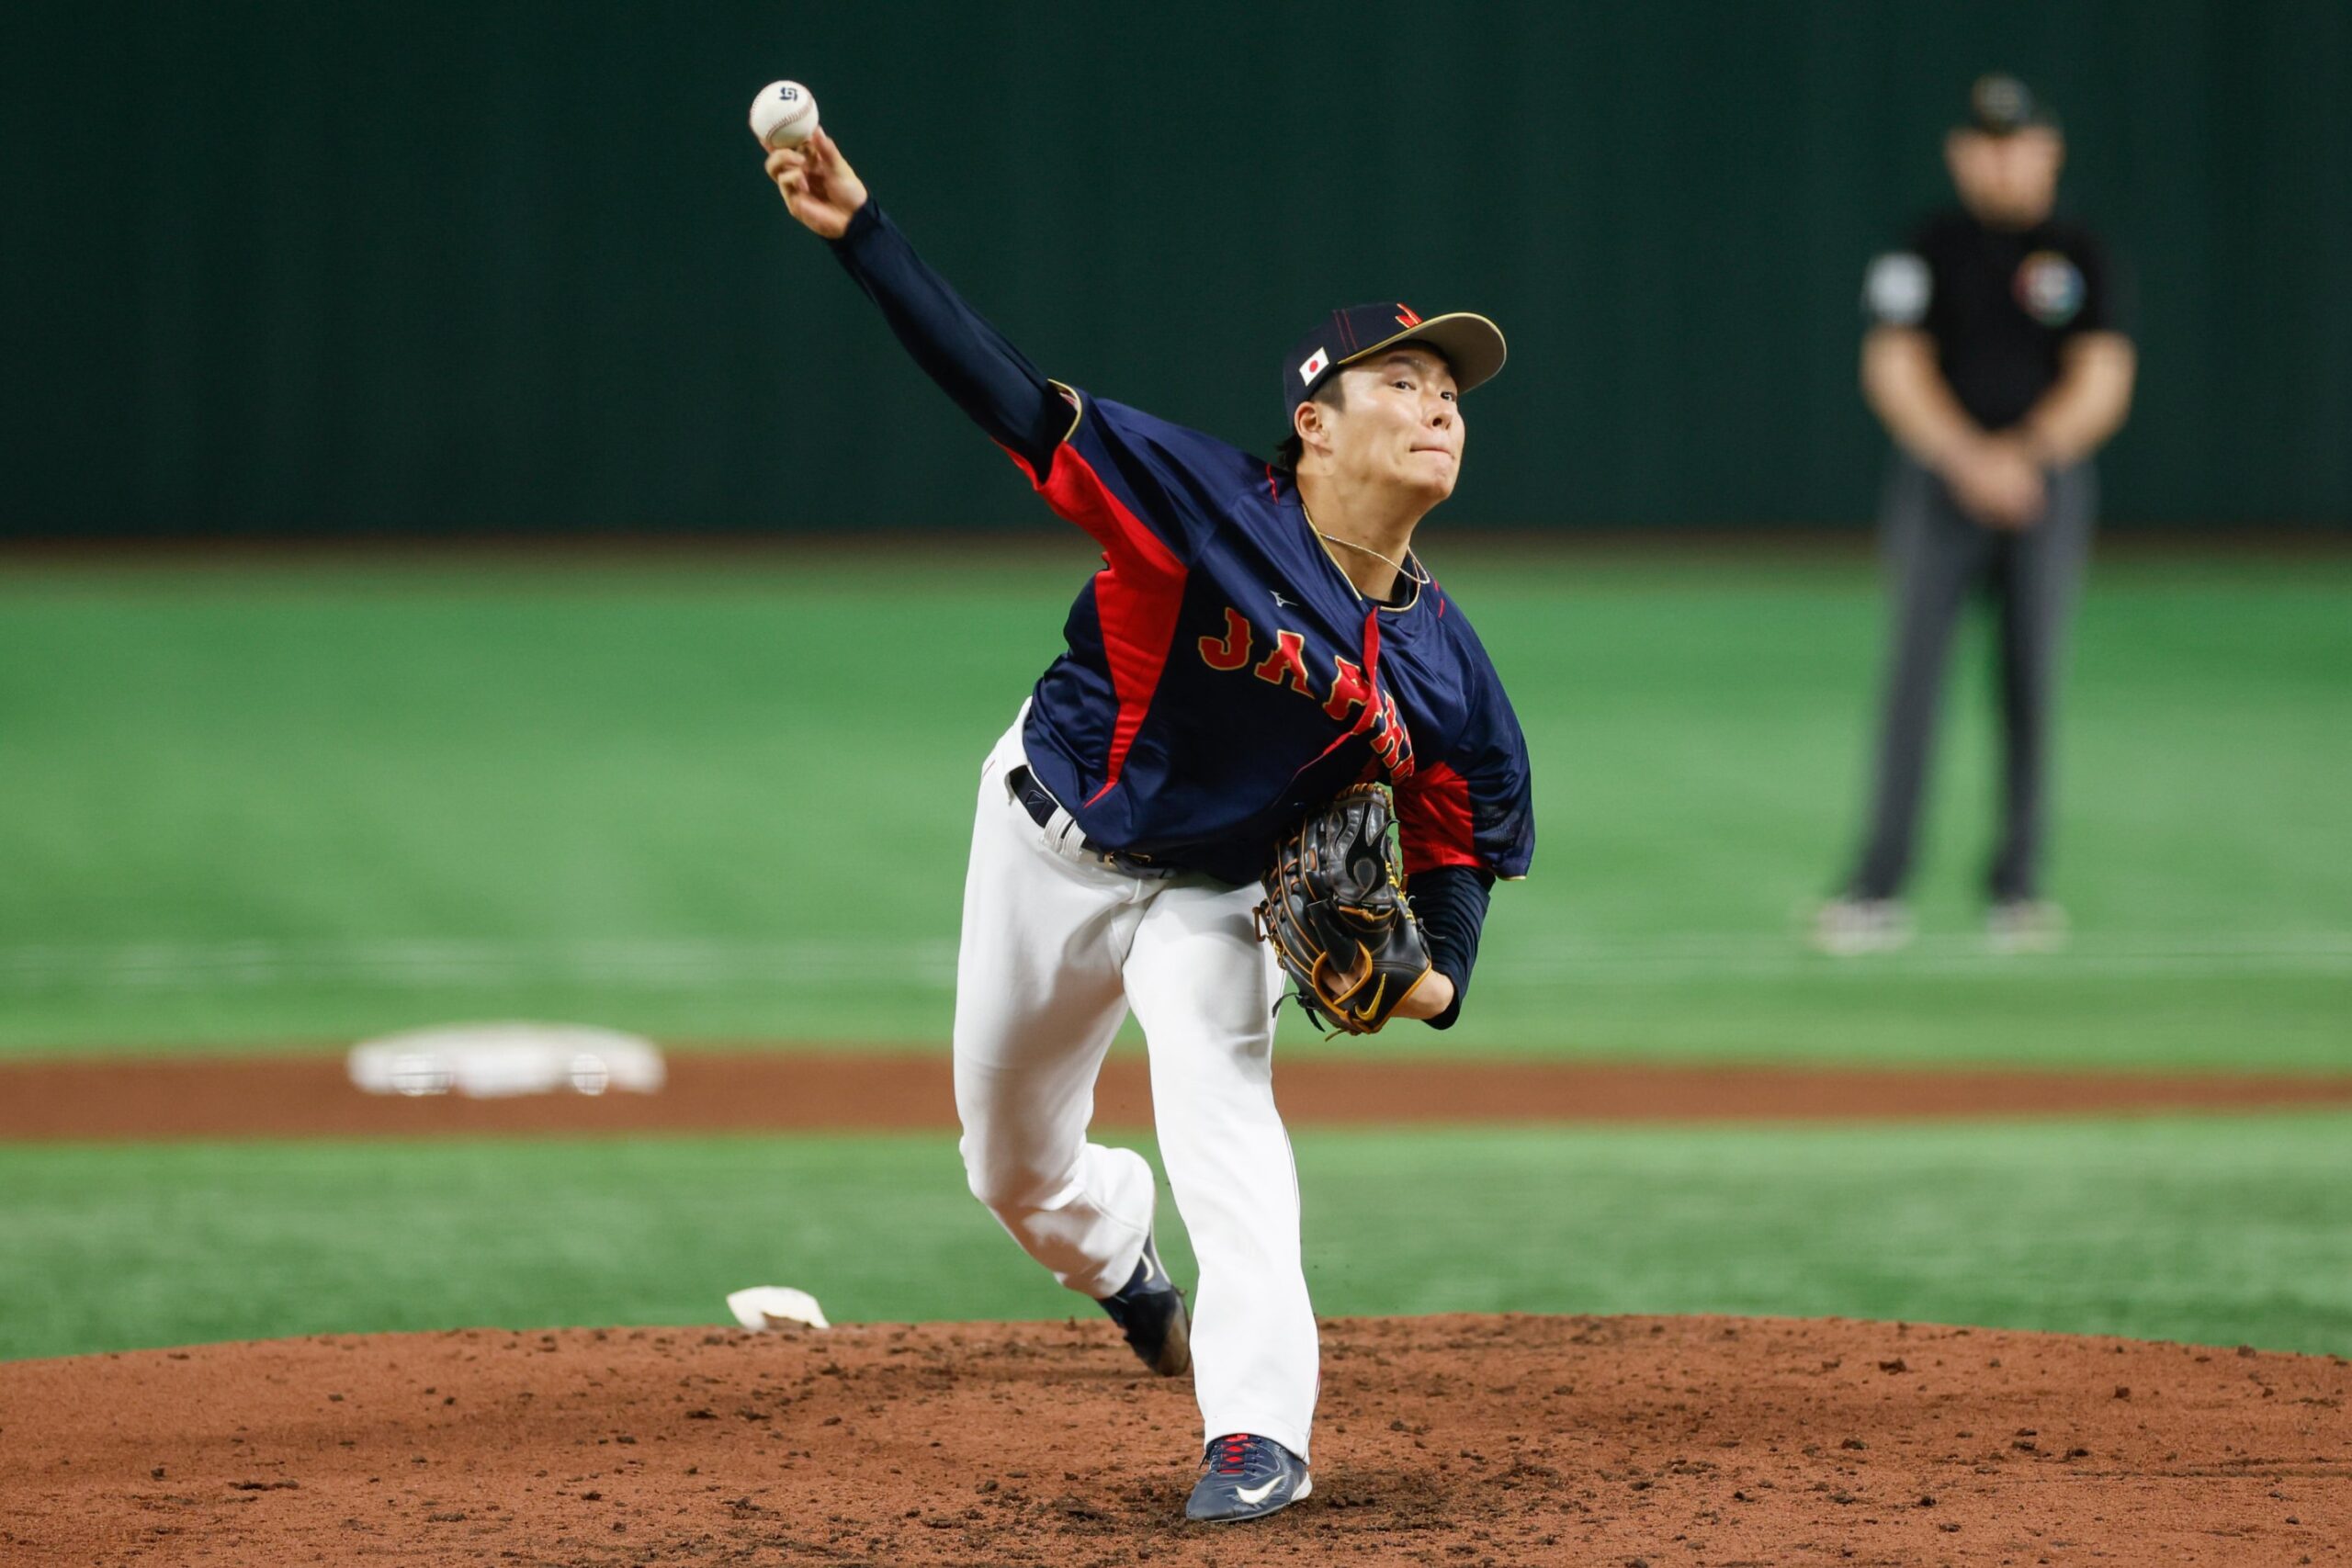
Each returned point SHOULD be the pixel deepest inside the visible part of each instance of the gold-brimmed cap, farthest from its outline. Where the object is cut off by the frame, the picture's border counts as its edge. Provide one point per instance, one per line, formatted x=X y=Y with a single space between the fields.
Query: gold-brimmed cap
x=1472 y=344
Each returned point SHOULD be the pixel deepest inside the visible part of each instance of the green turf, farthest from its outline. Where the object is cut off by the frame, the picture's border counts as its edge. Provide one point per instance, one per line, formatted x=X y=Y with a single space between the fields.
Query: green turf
x=2213 y=1229
x=277 y=806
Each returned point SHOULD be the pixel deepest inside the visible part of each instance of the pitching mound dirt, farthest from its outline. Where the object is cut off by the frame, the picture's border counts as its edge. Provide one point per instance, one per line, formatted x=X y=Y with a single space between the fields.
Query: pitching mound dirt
x=1443 y=1440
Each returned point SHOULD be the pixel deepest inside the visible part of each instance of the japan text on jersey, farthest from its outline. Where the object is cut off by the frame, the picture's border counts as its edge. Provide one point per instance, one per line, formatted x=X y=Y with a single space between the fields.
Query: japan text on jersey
x=1222 y=675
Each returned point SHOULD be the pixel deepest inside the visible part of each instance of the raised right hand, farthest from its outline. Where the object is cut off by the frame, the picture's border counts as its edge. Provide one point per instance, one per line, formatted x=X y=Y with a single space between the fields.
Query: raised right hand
x=819 y=187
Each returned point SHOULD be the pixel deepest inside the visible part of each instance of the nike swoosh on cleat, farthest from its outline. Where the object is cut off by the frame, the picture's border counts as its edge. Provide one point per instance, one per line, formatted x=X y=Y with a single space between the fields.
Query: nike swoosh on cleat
x=1253 y=1495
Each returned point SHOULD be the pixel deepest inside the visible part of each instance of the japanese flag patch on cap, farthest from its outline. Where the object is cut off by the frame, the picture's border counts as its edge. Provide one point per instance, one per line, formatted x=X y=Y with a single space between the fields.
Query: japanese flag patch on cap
x=1471 y=345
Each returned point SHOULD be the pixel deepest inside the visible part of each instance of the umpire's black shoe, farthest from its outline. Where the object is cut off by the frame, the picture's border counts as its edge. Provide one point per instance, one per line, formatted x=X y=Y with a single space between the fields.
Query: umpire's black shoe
x=1151 y=1310
x=1246 y=1477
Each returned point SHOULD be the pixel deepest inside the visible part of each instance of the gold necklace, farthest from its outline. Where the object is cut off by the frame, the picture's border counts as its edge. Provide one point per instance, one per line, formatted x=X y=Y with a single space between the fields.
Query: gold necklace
x=1412 y=574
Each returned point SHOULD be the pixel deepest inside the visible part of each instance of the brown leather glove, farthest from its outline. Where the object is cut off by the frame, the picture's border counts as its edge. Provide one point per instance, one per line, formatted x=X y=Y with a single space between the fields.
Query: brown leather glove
x=1335 y=913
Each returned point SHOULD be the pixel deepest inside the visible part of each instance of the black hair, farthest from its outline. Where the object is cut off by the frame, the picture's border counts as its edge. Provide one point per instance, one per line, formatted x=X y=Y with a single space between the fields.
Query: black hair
x=1331 y=394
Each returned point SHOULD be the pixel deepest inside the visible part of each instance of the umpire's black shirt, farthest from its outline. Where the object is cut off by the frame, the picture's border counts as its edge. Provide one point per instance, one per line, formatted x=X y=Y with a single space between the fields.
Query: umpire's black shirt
x=1999 y=303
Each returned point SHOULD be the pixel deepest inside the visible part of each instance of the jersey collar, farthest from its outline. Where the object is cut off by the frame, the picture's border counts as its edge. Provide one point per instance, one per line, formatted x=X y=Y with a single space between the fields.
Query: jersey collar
x=1417 y=574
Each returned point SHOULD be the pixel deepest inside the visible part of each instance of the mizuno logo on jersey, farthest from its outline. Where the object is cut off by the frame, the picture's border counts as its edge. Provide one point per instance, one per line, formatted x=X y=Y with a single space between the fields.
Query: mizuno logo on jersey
x=1347 y=691
x=1283 y=603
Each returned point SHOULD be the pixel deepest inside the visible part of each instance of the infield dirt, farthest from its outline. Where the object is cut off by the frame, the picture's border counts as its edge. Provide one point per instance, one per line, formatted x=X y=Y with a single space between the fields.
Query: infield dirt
x=783 y=1091
x=1442 y=1440
x=1631 y=1442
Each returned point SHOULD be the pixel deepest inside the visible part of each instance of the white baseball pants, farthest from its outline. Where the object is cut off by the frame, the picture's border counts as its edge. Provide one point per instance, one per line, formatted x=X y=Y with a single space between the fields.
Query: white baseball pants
x=1057 y=946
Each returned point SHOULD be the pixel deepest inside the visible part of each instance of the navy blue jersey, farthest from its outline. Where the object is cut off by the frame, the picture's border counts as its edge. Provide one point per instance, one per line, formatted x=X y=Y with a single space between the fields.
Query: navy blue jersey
x=1223 y=675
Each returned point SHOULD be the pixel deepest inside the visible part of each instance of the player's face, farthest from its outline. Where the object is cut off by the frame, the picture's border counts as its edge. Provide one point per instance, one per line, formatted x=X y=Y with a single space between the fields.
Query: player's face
x=1401 y=424
x=2007 y=181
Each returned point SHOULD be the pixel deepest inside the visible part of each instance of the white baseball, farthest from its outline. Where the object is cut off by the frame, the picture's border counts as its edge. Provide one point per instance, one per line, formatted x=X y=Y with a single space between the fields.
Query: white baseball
x=784 y=115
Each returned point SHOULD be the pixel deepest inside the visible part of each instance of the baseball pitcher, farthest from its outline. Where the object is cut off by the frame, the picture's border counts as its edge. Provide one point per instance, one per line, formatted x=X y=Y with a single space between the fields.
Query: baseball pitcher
x=1260 y=678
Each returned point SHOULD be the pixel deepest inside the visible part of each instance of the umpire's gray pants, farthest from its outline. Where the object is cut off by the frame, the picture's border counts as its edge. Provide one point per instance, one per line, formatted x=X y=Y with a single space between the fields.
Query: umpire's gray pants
x=1935 y=555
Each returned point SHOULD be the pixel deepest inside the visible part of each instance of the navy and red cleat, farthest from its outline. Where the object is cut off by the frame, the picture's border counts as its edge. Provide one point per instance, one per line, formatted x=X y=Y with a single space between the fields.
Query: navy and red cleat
x=1246 y=1477
x=1150 y=1309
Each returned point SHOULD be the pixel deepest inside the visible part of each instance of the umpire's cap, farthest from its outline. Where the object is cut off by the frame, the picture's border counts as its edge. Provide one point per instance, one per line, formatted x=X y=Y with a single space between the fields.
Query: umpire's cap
x=1472 y=344
x=2000 y=104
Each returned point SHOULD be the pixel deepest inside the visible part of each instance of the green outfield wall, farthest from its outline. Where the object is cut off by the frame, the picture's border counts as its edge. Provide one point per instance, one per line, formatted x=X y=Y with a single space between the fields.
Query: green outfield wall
x=441 y=267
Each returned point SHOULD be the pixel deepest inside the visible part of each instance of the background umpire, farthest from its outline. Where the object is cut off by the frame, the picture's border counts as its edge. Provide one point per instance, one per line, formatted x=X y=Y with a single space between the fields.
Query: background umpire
x=1998 y=360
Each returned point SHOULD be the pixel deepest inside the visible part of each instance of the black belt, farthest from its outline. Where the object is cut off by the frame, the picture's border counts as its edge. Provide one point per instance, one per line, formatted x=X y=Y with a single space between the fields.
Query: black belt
x=1036 y=800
